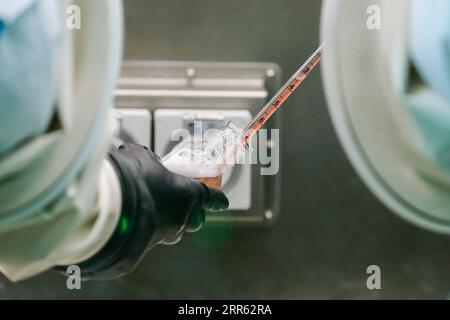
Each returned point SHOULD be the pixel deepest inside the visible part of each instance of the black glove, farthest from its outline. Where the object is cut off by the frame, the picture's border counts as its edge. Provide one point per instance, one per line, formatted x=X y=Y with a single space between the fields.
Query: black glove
x=158 y=206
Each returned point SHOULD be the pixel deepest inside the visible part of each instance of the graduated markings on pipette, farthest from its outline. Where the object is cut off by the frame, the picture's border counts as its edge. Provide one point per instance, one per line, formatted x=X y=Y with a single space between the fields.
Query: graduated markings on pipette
x=281 y=96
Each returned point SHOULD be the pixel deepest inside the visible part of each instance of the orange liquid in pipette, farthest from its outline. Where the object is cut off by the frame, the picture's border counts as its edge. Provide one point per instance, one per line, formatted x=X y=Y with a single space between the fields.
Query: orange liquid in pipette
x=256 y=125
x=212 y=182
x=281 y=96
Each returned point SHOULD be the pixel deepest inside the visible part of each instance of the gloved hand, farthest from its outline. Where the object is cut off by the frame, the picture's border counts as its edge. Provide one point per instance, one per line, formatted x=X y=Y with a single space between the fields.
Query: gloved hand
x=179 y=202
x=158 y=206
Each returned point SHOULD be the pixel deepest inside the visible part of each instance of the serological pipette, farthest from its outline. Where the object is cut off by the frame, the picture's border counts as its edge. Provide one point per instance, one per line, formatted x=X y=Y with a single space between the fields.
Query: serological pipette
x=281 y=96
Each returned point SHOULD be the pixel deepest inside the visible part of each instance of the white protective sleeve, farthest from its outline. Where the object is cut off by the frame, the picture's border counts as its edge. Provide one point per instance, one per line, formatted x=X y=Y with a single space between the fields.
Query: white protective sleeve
x=60 y=200
x=70 y=230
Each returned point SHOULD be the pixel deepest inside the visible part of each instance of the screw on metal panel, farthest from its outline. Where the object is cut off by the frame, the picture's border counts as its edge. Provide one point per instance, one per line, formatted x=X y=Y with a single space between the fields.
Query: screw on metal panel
x=190 y=72
x=270 y=73
x=268 y=214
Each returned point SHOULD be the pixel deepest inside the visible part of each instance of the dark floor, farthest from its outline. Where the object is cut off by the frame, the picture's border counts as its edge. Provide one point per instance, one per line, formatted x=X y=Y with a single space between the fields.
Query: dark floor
x=331 y=227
